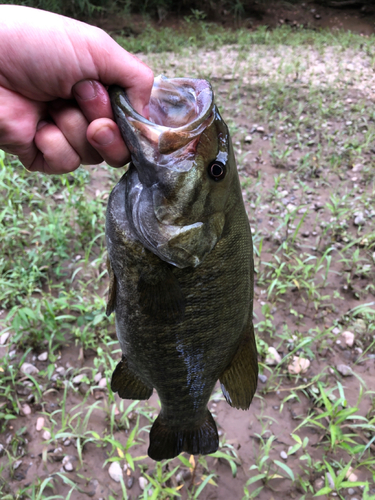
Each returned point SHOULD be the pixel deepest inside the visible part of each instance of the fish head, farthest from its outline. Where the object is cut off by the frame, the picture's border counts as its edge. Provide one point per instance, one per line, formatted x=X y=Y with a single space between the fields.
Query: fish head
x=183 y=169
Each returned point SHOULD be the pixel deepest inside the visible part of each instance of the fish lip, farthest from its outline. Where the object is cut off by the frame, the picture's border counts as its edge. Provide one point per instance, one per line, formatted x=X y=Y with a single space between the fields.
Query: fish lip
x=155 y=145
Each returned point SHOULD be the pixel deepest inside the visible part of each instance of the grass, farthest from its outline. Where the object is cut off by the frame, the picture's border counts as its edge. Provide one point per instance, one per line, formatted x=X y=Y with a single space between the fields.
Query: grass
x=306 y=172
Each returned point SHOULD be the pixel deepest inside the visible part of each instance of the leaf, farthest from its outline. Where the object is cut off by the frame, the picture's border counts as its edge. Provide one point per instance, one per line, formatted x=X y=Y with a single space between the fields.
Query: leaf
x=254 y=479
x=323 y=491
x=287 y=469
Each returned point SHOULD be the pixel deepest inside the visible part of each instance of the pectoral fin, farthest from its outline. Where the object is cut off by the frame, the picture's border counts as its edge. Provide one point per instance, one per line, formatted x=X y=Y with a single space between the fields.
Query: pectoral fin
x=111 y=290
x=161 y=296
x=239 y=380
x=128 y=385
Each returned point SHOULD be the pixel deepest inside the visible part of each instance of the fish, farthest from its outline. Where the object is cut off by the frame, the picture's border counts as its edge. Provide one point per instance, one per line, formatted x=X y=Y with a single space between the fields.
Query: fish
x=180 y=261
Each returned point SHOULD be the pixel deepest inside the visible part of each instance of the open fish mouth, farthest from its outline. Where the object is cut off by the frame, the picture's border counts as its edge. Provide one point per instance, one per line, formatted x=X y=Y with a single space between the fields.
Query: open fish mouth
x=180 y=110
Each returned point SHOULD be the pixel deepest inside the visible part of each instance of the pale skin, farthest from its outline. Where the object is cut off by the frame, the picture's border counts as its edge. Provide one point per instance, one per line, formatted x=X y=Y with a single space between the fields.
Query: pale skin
x=55 y=112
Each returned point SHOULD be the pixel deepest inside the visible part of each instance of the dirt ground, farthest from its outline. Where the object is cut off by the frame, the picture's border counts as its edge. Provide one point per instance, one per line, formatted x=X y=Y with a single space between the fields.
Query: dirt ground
x=302 y=124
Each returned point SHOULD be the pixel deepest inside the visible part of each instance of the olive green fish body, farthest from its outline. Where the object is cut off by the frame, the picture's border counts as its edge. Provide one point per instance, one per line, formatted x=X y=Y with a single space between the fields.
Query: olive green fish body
x=184 y=308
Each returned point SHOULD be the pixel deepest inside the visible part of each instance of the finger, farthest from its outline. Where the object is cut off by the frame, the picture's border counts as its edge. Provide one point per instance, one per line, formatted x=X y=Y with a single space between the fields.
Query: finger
x=19 y=119
x=93 y=99
x=73 y=124
x=104 y=135
x=56 y=154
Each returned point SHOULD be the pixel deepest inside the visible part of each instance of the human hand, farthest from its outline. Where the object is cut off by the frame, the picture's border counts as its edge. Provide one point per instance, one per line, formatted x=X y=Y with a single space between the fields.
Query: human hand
x=55 y=112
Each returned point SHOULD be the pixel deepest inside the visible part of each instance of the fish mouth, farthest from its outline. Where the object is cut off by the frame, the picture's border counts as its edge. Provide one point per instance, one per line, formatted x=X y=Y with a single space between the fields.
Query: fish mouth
x=180 y=110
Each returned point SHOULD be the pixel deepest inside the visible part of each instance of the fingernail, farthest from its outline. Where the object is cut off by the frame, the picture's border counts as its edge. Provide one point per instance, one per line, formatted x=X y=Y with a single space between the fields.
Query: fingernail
x=104 y=136
x=41 y=124
x=85 y=90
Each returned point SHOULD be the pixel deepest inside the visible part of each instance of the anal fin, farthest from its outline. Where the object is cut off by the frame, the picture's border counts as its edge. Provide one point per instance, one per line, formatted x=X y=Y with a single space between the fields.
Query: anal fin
x=111 y=290
x=128 y=385
x=166 y=442
x=239 y=379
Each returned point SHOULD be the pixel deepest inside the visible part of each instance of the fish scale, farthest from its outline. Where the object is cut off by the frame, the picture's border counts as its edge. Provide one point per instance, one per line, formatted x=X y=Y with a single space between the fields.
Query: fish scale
x=183 y=297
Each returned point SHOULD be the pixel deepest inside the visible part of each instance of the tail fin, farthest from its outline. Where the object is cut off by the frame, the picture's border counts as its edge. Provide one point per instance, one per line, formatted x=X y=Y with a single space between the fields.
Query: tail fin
x=168 y=443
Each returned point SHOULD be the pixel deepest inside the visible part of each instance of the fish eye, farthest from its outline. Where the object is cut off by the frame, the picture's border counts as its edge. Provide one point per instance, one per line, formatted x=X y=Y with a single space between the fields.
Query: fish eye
x=216 y=170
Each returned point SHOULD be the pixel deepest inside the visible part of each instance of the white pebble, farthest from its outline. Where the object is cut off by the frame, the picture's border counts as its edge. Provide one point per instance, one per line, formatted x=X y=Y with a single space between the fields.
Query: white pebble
x=359 y=220
x=103 y=383
x=4 y=337
x=115 y=472
x=273 y=358
x=344 y=370
x=298 y=365
x=26 y=410
x=16 y=464
x=97 y=377
x=349 y=338
x=46 y=435
x=78 y=378
x=29 y=369
x=39 y=424
x=142 y=482
x=68 y=467
x=43 y=356
x=283 y=455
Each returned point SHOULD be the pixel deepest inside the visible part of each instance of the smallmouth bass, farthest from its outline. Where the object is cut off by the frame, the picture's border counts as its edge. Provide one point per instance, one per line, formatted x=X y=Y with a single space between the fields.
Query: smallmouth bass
x=181 y=266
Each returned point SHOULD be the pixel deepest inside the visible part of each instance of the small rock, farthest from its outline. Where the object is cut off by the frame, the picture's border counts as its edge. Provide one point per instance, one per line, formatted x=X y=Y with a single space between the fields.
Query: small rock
x=298 y=365
x=102 y=383
x=283 y=455
x=130 y=482
x=351 y=475
x=115 y=471
x=335 y=330
x=273 y=358
x=43 y=356
x=306 y=234
x=78 y=379
x=46 y=435
x=92 y=487
x=330 y=480
x=262 y=378
x=142 y=482
x=4 y=337
x=345 y=370
x=351 y=491
x=16 y=464
x=290 y=207
x=29 y=369
x=248 y=139
x=1 y=449
x=68 y=467
x=84 y=388
x=67 y=442
x=359 y=220
x=97 y=377
x=260 y=130
x=61 y=370
x=26 y=410
x=348 y=338
x=359 y=326
x=318 y=16
x=318 y=484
